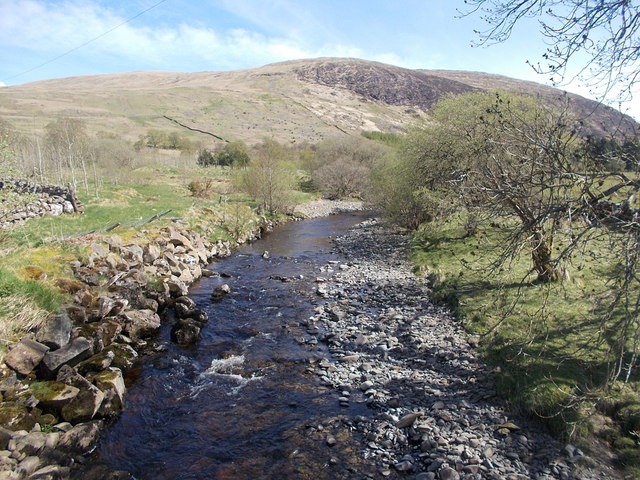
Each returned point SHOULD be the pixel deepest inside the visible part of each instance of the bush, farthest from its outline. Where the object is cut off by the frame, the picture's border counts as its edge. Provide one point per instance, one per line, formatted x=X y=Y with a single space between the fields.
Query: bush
x=201 y=188
x=270 y=177
x=233 y=154
x=341 y=179
x=343 y=165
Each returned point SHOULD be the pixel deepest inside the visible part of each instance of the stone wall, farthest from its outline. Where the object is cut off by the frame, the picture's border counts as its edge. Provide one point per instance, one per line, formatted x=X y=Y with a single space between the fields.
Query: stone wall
x=47 y=200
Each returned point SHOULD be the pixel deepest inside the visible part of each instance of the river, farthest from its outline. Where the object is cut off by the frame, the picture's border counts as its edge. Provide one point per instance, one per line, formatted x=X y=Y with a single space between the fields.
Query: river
x=241 y=404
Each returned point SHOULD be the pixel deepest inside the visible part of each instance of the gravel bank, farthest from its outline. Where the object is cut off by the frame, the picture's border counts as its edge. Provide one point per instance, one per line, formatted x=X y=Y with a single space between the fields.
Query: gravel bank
x=435 y=411
x=322 y=208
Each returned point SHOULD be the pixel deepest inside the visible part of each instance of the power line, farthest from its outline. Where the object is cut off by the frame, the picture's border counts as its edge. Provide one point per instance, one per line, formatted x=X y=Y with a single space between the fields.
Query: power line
x=87 y=42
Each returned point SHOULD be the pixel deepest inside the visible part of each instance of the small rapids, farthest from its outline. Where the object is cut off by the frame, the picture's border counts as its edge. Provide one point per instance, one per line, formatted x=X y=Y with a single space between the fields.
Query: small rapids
x=237 y=405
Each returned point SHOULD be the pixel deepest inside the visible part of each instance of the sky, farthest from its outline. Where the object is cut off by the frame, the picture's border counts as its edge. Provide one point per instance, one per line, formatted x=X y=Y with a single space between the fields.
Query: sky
x=43 y=39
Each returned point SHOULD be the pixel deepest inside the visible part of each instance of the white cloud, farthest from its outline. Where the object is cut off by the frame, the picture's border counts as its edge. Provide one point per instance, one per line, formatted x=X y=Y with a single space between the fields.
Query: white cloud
x=76 y=30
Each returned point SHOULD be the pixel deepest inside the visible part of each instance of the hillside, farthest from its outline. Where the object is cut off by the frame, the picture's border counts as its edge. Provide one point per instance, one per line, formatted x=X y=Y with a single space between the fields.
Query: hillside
x=295 y=101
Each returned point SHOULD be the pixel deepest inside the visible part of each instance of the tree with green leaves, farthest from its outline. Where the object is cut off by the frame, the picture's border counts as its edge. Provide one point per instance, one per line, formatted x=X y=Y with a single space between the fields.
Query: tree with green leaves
x=498 y=156
x=512 y=161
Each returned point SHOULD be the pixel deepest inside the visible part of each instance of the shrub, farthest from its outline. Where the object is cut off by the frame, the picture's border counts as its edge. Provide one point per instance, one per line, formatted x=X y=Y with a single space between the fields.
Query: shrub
x=201 y=188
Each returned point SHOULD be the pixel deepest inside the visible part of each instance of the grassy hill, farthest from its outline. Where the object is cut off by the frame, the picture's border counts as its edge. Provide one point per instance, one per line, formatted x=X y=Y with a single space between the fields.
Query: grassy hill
x=292 y=102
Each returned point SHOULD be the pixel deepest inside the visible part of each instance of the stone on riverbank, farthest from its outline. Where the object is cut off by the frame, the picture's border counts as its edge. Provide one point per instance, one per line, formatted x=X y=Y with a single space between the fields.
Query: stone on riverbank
x=25 y=355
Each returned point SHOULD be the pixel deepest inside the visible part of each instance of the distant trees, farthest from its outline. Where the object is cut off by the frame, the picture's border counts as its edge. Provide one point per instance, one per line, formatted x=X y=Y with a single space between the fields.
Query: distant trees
x=343 y=165
x=68 y=148
x=10 y=198
x=232 y=154
x=156 y=138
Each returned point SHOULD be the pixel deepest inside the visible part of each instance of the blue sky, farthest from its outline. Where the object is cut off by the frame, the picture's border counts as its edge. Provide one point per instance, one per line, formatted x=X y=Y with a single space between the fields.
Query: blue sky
x=42 y=39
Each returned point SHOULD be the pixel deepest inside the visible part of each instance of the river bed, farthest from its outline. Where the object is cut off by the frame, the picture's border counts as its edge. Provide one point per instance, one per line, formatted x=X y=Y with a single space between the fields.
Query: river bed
x=241 y=403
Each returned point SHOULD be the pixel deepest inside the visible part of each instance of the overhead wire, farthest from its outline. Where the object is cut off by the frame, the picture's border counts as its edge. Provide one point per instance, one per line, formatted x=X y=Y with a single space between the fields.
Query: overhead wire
x=86 y=43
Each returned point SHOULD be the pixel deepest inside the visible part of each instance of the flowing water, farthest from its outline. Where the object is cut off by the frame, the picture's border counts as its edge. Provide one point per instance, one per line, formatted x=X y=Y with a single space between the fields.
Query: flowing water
x=239 y=405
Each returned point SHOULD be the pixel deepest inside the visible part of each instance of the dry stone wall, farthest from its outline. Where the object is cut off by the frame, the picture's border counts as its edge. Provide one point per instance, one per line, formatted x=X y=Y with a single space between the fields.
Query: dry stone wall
x=47 y=200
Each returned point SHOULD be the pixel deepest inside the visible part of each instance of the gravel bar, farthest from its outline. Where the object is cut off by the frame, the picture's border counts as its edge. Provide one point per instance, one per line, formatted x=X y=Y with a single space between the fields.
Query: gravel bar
x=434 y=409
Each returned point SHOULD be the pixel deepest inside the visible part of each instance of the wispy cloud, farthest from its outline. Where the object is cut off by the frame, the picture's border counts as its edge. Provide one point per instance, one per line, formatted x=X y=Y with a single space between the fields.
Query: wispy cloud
x=70 y=29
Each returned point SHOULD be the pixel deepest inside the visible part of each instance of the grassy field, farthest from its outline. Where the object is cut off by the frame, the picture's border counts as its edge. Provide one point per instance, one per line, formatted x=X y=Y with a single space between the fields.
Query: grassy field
x=549 y=343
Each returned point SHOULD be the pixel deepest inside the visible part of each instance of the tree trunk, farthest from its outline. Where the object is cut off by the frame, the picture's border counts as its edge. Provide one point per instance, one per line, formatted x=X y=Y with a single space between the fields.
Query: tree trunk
x=541 y=255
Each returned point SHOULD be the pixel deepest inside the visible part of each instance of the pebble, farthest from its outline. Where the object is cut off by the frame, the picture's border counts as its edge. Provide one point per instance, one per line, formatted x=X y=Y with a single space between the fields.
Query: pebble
x=434 y=409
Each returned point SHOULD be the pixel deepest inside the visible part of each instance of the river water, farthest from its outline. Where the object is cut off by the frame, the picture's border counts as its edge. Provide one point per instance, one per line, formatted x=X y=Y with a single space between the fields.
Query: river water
x=240 y=404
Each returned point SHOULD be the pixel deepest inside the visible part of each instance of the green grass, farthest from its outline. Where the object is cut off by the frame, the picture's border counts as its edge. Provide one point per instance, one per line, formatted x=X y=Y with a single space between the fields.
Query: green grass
x=550 y=342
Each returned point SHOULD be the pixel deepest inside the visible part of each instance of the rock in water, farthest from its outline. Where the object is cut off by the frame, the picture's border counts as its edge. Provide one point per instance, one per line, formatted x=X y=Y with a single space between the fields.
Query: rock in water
x=220 y=292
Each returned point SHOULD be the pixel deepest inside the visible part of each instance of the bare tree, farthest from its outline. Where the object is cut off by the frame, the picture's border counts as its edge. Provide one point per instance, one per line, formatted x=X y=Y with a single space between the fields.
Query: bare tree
x=270 y=177
x=603 y=35
x=343 y=165
x=68 y=148
x=11 y=195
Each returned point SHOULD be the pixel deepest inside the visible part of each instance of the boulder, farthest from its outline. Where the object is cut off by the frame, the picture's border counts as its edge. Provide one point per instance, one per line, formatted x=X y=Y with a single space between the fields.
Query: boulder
x=25 y=355
x=5 y=436
x=15 y=417
x=84 y=406
x=71 y=354
x=50 y=472
x=186 y=301
x=141 y=323
x=82 y=438
x=111 y=383
x=132 y=254
x=101 y=334
x=99 y=250
x=220 y=292
x=76 y=313
x=185 y=331
x=177 y=288
x=125 y=356
x=53 y=395
x=30 y=444
x=56 y=332
x=105 y=305
x=178 y=239
x=150 y=253
x=97 y=363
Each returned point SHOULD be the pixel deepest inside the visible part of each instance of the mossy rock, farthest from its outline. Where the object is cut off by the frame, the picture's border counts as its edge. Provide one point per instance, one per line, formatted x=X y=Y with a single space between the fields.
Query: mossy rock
x=125 y=356
x=69 y=285
x=53 y=394
x=14 y=417
x=31 y=272
x=46 y=419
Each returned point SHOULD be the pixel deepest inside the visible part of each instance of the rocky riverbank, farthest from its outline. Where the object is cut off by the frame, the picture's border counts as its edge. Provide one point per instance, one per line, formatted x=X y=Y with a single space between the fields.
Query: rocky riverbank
x=435 y=411
x=60 y=386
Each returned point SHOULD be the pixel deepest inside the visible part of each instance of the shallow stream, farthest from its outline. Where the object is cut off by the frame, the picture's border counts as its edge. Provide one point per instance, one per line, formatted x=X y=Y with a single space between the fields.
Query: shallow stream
x=240 y=404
